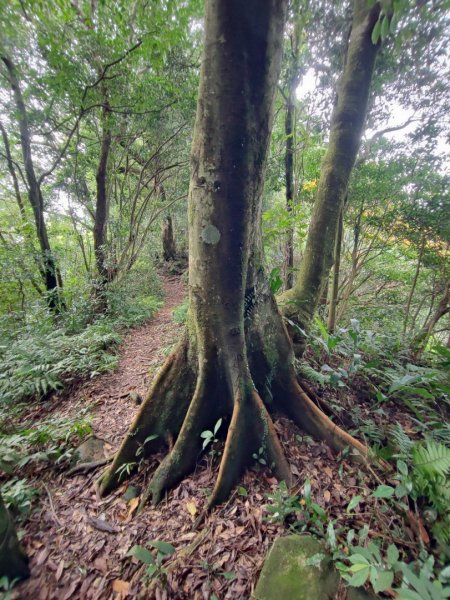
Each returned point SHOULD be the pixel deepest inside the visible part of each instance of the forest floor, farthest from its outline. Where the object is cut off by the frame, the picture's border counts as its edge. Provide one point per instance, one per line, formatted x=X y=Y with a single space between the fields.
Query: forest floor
x=78 y=544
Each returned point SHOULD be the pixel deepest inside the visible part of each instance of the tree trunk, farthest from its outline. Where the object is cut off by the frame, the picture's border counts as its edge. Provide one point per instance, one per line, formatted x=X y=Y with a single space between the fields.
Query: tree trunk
x=168 y=242
x=50 y=272
x=101 y=206
x=300 y=303
x=13 y=562
x=336 y=273
x=420 y=341
x=235 y=361
x=414 y=283
x=289 y=182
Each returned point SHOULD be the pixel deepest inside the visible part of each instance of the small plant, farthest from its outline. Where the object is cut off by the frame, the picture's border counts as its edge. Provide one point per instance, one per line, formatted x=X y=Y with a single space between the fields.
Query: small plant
x=282 y=504
x=7 y=585
x=302 y=513
x=126 y=469
x=154 y=563
x=150 y=438
x=180 y=312
x=18 y=496
x=367 y=565
x=259 y=456
x=209 y=437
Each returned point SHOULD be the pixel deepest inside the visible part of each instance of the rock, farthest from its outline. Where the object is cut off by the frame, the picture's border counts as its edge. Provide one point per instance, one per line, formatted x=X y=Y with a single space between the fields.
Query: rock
x=91 y=450
x=136 y=398
x=285 y=574
x=13 y=562
x=131 y=492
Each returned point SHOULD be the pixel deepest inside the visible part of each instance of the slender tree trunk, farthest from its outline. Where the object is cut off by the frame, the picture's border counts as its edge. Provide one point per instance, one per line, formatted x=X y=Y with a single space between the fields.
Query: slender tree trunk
x=289 y=182
x=13 y=562
x=168 y=242
x=51 y=275
x=420 y=341
x=101 y=206
x=414 y=283
x=167 y=239
x=235 y=360
x=12 y=172
x=336 y=273
x=347 y=122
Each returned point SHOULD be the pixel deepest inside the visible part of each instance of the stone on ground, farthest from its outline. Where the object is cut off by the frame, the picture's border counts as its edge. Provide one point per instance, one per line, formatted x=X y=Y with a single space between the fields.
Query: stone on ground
x=287 y=575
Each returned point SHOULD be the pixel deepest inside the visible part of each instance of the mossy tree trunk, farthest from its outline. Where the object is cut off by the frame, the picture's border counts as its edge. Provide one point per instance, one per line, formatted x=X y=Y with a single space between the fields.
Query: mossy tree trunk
x=13 y=562
x=235 y=359
x=347 y=121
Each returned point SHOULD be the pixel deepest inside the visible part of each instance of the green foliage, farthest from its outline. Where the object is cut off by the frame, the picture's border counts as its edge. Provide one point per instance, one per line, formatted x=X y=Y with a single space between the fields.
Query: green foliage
x=210 y=437
x=154 y=563
x=180 y=312
x=18 y=496
x=301 y=513
x=39 y=363
x=368 y=564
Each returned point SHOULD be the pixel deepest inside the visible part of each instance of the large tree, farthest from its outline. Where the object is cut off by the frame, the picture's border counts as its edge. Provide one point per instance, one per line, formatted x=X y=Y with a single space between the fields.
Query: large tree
x=347 y=122
x=235 y=360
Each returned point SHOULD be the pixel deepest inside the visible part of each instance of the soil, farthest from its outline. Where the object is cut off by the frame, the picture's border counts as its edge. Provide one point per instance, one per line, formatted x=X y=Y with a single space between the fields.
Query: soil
x=78 y=544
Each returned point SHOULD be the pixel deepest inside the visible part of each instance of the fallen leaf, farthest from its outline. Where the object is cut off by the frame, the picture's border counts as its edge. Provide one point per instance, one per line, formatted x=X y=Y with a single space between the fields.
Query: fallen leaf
x=121 y=587
x=101 y=565
x=191 y=508
x=326 y=496
x=132 y=506
x=101 y=525
x=60 y=570
x=295 y=471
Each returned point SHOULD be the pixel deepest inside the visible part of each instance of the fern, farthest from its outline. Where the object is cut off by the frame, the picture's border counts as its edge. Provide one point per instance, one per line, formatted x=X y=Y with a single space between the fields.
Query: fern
x=311 y=374
x=432 y=459
x=400 y=439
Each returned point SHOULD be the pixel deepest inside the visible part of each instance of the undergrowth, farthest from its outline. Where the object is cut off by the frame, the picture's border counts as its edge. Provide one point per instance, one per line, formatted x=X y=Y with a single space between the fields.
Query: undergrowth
x=41 y=355
x=369 y=381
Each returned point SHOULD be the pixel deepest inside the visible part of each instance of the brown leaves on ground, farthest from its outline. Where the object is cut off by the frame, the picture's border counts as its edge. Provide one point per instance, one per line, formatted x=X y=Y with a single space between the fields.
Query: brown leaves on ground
x=77 y=544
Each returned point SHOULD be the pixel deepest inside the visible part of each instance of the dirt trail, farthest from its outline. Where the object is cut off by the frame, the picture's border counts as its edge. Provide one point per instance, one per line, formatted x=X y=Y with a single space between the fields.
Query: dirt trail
x=141 y=353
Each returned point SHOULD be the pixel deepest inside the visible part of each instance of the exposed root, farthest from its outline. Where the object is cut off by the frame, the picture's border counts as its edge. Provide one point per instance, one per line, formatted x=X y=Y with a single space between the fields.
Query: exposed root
x=161 y=415
x=187 y=447
x=302 y=410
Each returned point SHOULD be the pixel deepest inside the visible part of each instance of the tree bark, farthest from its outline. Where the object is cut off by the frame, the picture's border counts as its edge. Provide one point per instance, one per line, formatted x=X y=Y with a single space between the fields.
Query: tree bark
x=50 y=272
x=13 y=562
x=300 y=303
x=168 y=242
x=420 y=341
x=101 y=206
x=289 y=182
x=235 y=360
x=414 y=283
x=336 y=273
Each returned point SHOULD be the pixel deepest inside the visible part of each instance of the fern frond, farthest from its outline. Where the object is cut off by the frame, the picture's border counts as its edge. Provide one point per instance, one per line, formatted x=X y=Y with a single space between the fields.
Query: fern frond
x=432 y=458
x=400 y=439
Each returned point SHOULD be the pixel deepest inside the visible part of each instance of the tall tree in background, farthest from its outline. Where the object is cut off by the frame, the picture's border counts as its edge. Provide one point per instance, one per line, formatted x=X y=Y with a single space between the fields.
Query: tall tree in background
x=292 y=79
x=235 y=361
x=347 y=122
x=48 y=268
